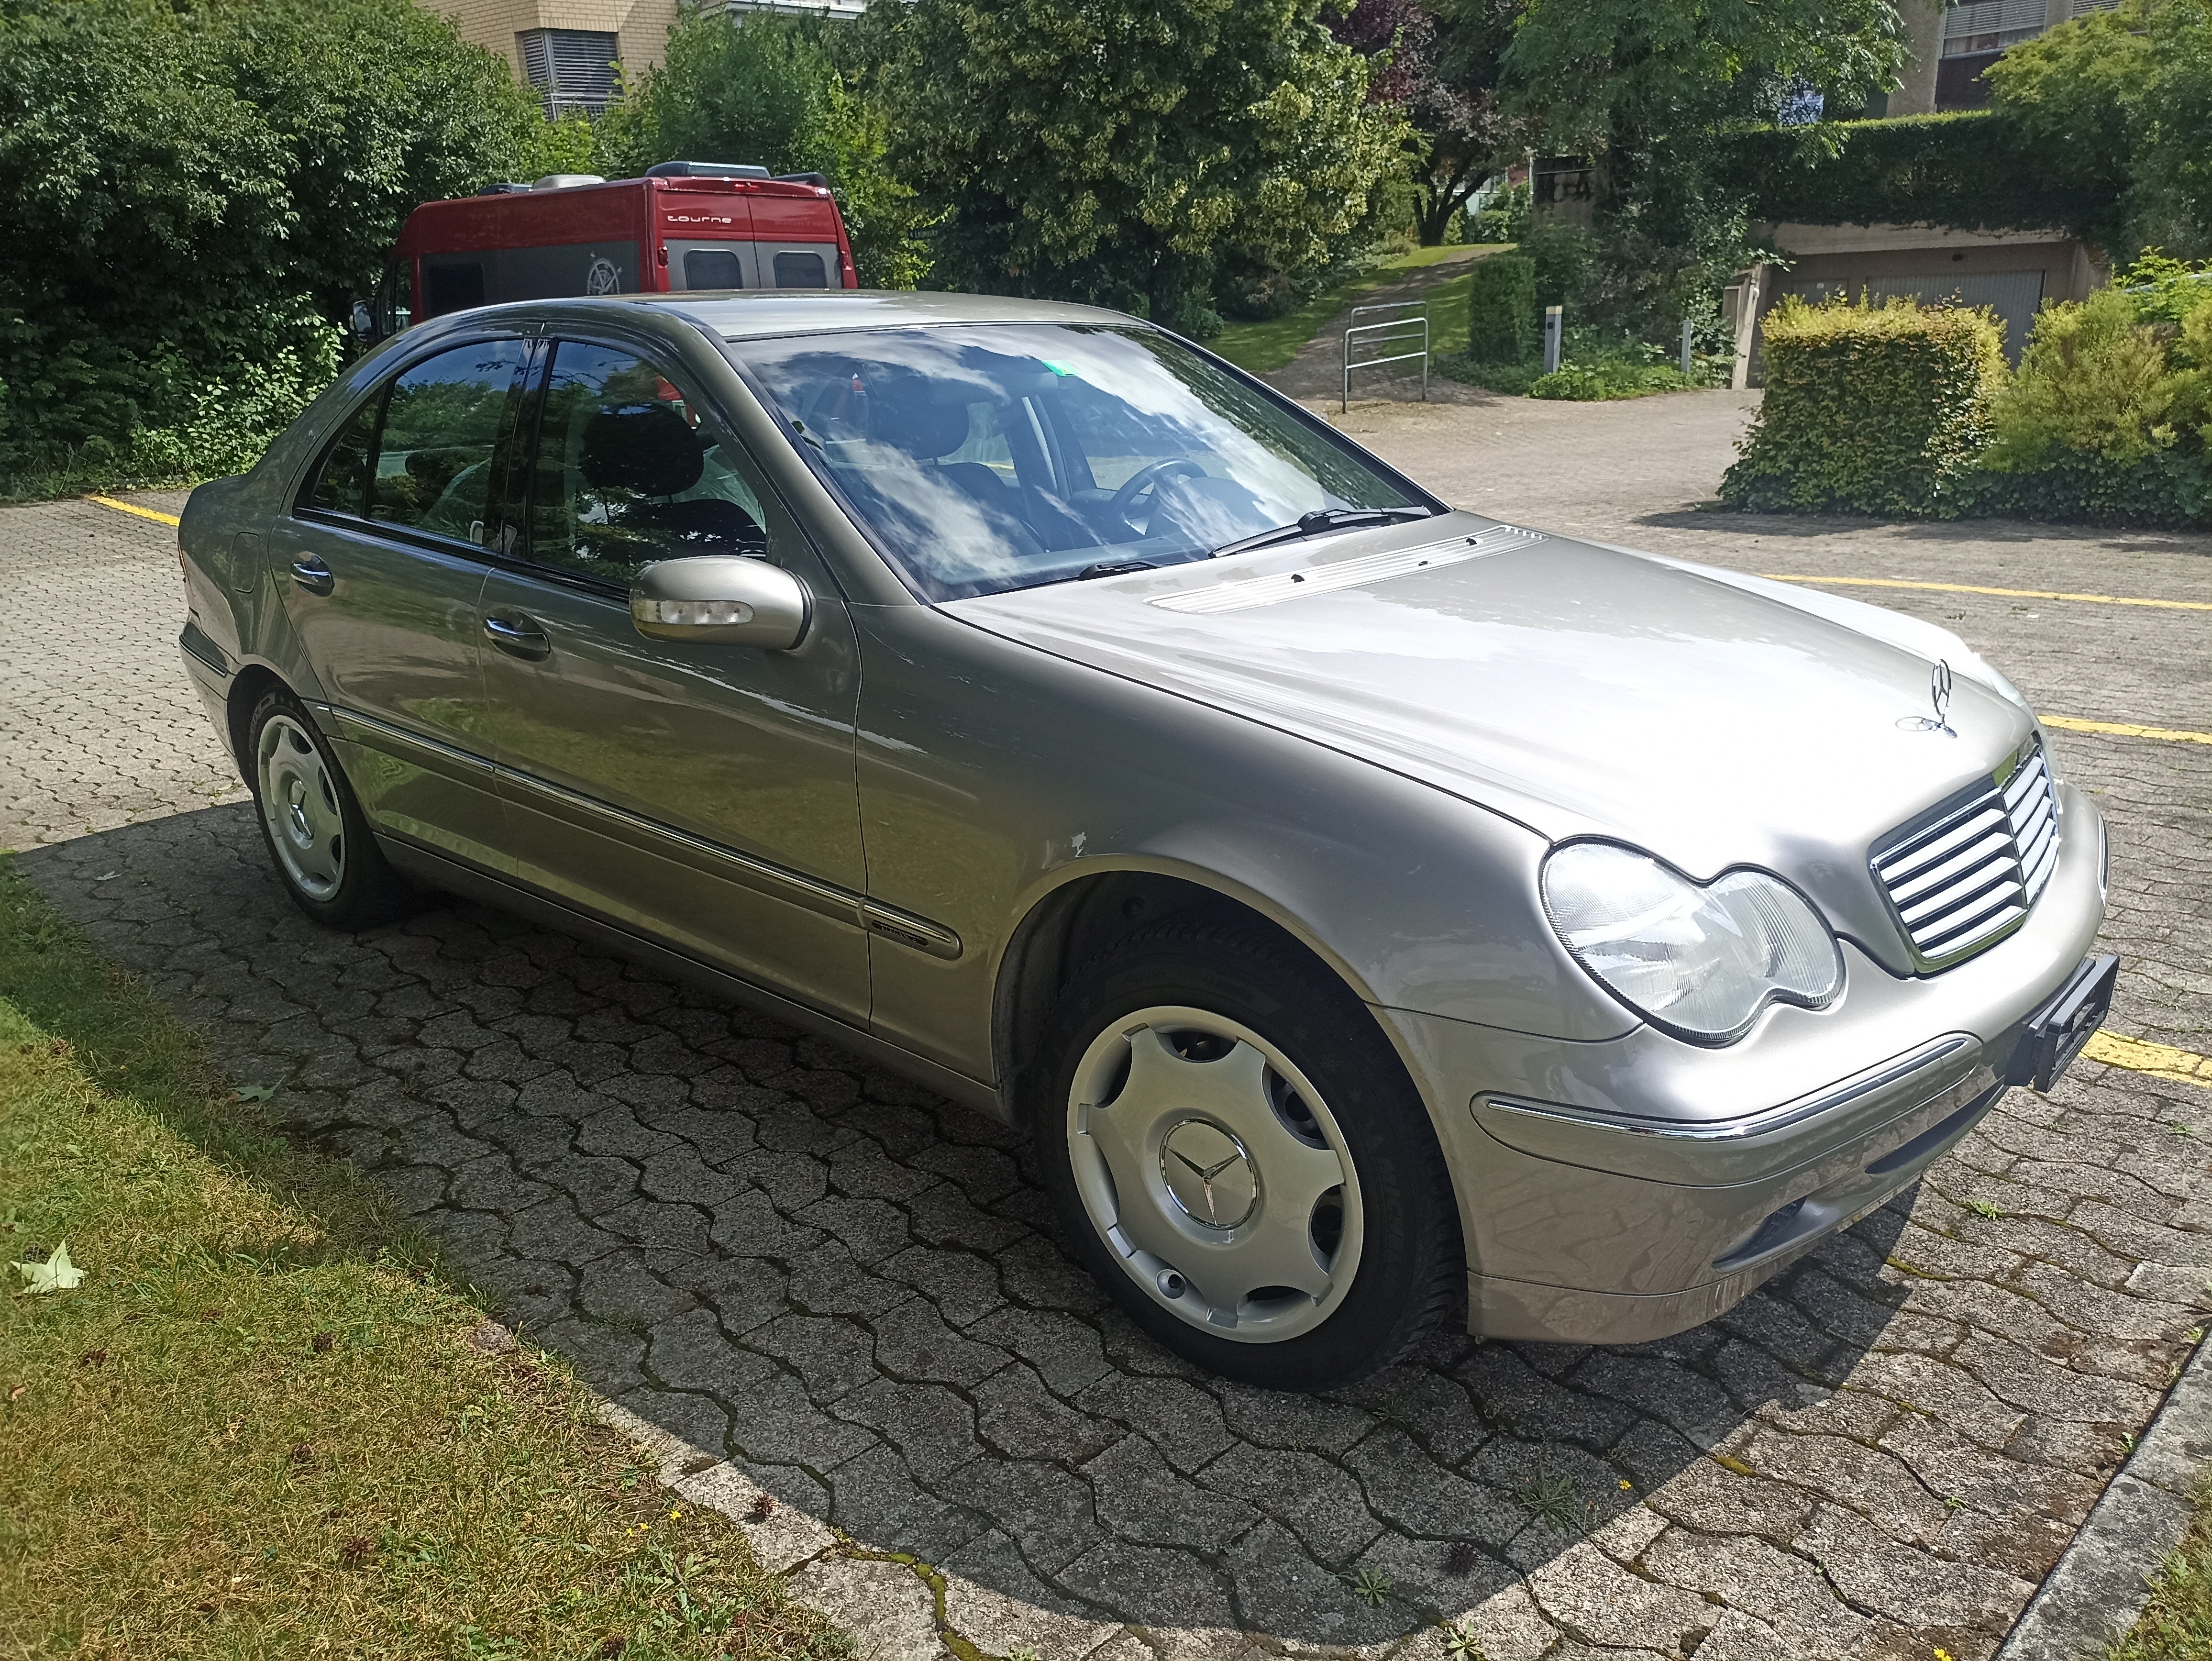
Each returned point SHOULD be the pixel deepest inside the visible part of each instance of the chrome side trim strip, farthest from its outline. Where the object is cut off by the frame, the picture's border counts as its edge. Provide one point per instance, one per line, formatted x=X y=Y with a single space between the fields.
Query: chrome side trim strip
x=1825 y=1100
x=428 y=752
x=1244 y=595
x=780 y=881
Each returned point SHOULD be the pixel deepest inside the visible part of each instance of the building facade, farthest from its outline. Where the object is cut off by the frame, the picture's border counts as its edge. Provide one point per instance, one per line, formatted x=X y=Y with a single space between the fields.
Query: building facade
x=568 y=49
x=1951 y=45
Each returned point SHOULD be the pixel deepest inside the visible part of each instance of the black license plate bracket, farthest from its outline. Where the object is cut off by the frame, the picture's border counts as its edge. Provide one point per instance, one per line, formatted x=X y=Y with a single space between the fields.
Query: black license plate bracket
x=2056 y=1033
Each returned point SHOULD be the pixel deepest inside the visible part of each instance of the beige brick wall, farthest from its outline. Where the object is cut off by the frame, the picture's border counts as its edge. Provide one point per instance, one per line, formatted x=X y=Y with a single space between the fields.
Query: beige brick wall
x=641 y=25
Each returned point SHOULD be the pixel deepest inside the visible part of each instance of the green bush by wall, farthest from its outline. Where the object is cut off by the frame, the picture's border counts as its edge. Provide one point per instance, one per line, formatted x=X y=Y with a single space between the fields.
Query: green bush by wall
x=1868 y=408
x=1971 y=170
x=1502 y=309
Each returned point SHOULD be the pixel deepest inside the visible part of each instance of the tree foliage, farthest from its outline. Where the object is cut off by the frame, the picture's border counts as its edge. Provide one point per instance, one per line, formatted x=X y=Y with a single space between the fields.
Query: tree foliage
x=772 y=90
x=1439 y=65
x=2117 y=105
x=1118 y=149
x=190 y=199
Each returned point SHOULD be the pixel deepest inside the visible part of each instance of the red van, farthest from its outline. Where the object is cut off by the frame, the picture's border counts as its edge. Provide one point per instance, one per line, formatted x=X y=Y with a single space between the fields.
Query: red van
x=685 y=225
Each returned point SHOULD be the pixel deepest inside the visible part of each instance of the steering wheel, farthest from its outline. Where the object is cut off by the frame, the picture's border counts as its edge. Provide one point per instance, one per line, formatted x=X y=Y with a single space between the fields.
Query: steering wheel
x=1145 y=477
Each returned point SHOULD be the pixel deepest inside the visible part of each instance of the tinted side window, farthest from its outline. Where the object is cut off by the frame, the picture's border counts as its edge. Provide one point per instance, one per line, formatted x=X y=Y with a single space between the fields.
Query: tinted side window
x=629 y=471
x=454 y=287
x=341 y=482
x=442 y=431
x=800 y=271
x=712 y=268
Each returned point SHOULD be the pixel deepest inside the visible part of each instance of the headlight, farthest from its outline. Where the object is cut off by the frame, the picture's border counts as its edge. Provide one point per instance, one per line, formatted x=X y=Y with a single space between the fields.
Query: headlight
x=1700 y=963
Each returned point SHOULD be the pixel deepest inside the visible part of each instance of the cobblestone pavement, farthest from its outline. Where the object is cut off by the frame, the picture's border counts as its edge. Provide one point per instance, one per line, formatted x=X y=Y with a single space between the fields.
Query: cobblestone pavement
x=761 y=1246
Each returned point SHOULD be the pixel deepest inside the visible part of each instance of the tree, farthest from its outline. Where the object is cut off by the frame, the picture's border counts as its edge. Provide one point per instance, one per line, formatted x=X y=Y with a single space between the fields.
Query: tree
x=2120 y=103
x=1117 y=149
x=1440 y=67
x=191 y=197
x=772 y=91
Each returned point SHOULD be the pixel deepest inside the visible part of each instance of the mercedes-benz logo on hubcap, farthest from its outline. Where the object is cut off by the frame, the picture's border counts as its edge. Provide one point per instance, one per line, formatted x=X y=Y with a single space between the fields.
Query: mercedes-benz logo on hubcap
x=1208 y=1174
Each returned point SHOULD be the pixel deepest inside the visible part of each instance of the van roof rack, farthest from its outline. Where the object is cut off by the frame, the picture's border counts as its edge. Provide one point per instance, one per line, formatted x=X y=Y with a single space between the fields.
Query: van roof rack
x=707 y=170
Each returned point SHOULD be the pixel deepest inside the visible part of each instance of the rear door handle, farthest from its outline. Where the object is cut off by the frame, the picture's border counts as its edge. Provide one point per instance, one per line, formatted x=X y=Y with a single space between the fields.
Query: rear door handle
x=518 y=635
x=313 y=575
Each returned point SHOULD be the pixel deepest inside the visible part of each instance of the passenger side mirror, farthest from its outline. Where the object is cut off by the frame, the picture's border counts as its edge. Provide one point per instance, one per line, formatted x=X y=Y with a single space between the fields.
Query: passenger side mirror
x=726 y=597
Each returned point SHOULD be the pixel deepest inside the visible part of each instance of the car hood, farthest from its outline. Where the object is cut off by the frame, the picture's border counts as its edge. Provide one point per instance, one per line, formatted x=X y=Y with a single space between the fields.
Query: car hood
x=1714 y=719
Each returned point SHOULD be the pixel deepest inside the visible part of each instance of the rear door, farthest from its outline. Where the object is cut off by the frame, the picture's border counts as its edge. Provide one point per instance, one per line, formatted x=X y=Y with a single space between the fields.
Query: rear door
x=704 y=795
x=383 y=562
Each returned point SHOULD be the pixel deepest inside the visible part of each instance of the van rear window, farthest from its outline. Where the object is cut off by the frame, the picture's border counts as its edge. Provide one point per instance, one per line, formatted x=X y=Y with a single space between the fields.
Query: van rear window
x=713 y=268
x=800 y=271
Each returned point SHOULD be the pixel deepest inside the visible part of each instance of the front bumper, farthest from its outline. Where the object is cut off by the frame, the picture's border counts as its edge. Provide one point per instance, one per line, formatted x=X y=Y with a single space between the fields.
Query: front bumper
x=1620 y=1191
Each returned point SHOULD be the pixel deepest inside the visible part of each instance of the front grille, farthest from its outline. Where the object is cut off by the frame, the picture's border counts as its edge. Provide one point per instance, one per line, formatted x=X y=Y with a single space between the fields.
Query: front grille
x=1963 y=875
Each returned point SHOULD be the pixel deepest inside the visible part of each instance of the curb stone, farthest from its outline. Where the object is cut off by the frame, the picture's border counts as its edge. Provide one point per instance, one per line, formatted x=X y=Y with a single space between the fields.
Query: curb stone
x=2100 y=1585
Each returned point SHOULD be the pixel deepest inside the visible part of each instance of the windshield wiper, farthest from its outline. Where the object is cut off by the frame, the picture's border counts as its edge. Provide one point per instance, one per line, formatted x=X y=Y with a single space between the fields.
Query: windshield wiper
x=1322 y=519
x=1113 y=568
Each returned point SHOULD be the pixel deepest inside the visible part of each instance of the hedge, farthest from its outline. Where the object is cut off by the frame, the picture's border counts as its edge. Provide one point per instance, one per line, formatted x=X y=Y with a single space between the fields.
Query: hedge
x=1868 y=408
x=1970 y=170
x=1502 y=309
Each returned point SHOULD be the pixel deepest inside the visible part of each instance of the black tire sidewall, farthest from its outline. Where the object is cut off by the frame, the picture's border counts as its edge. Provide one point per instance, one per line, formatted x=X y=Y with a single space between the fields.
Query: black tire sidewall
x=369 y=892
x=1410 y=1256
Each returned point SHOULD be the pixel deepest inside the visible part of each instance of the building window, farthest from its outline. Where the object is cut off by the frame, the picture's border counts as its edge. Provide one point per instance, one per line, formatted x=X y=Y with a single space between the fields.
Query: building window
x=573 y=70
x=1990 y=25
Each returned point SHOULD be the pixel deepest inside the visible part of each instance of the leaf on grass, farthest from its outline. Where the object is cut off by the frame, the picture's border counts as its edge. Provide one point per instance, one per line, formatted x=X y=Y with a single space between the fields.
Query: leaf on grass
x=56 y=1274
x=255 y=1093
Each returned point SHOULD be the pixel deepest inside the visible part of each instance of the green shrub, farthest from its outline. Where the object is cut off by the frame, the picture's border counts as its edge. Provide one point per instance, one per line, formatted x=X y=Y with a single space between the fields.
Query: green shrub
x=1566 y=257
x=2094 y=380
x=1501 y=308
x=1871 y=410
x=1505 y=219
x=1973 y=170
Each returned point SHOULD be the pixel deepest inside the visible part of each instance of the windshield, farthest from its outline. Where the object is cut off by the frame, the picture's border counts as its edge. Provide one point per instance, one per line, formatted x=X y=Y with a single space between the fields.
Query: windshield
x=1001 y=455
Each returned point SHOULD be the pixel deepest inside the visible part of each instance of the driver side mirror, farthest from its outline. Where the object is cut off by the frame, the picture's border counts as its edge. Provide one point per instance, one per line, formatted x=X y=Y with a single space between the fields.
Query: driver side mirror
x=725 y=598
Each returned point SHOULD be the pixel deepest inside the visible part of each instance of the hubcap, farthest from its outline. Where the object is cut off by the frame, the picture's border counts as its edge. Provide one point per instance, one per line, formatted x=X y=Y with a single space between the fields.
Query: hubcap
x=299 y=805
x=1215 y=1174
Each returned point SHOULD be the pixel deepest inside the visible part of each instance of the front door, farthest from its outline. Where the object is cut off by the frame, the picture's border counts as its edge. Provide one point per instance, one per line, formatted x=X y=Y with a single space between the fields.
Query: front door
x=382 y=564
x=701 y=793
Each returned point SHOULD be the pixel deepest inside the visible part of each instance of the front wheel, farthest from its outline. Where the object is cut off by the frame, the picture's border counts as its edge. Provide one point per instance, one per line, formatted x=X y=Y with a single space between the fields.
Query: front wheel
x=317 y=836
x=1239 y=1158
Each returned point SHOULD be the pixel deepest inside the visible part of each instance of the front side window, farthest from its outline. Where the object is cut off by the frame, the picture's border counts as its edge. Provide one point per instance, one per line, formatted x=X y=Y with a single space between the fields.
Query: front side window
x=442 y=431
x=629 y=470
x=989 y=457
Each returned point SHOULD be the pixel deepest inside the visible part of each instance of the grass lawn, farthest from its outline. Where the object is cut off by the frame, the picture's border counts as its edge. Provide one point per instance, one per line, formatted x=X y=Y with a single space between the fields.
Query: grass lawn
x=259 y=1425
x=2176 y=1623
x=1260 y=347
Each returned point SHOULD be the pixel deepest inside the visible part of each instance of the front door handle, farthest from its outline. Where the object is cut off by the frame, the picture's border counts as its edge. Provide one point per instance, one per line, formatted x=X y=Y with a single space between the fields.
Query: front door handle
x=518 y=635
x=313 y=575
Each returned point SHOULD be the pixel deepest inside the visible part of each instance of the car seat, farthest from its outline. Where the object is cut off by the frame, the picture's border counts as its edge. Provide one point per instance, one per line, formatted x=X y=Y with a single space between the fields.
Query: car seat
x=635 y=459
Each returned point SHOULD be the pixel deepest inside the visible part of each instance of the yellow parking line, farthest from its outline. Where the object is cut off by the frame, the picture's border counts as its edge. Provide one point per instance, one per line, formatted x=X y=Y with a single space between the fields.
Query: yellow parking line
x=2159 y=1061
x=2007 y=594
x=153 y=514
x=2122 y=730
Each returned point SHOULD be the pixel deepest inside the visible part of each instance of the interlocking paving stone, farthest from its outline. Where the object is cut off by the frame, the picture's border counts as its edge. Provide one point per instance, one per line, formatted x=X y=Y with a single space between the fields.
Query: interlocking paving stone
x=795 y=1261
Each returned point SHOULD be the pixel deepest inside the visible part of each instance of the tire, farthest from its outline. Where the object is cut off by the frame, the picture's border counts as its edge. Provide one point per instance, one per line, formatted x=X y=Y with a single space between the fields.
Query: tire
x=1275 y=1207
x=317 y=836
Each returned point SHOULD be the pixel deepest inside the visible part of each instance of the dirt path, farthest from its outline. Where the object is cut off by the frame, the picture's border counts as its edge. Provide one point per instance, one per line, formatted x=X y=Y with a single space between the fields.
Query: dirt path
x=1318 y=369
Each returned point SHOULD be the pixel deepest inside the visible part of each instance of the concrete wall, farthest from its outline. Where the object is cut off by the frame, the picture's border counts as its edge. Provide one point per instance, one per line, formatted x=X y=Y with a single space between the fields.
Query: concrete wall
x=641 y=25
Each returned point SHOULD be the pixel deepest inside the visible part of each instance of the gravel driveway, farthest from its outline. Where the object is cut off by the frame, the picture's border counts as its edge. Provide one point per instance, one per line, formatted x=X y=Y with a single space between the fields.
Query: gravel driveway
x=848 y=1288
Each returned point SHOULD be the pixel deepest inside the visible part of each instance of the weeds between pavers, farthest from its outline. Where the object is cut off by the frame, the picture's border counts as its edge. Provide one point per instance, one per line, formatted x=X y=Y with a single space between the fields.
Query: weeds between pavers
x=258 y=1426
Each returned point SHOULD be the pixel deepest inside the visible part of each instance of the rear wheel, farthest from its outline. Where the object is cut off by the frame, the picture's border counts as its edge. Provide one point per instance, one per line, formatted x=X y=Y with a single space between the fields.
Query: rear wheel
x=1239 y=1158
x=317 y=836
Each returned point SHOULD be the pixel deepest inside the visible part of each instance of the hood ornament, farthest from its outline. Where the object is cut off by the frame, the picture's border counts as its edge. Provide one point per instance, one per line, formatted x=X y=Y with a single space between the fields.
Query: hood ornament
x=1939 y=694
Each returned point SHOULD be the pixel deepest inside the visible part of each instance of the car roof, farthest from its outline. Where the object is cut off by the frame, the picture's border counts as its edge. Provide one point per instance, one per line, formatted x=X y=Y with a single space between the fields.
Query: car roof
x=808 y=311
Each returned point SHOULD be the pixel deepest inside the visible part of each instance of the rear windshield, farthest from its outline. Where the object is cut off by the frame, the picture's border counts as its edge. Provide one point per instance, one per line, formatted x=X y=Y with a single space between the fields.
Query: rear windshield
x=989 y=457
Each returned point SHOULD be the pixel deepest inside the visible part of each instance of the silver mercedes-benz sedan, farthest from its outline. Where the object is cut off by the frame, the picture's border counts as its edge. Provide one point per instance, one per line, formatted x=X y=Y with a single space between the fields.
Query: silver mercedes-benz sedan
x=1363 y=906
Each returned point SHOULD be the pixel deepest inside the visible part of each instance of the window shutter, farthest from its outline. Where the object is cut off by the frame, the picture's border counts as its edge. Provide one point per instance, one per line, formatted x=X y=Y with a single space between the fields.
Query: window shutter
x=572 y=68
